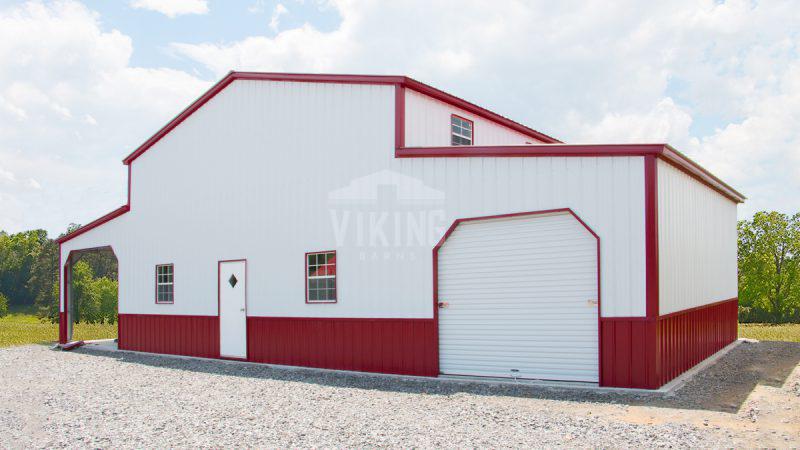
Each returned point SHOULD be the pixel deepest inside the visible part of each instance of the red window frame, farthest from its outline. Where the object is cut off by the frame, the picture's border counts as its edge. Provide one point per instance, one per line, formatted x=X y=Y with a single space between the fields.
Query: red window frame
x=173 y=284
x=471 y=129
x=307 y=277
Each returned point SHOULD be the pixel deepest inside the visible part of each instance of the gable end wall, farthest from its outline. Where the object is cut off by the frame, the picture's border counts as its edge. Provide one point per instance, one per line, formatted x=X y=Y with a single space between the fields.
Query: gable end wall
x=427 y=124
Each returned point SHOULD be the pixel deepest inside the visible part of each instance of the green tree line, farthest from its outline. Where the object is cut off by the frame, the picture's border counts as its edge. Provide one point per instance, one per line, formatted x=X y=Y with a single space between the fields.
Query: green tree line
x=29 y=278
x=769 y=268
x=768 y=260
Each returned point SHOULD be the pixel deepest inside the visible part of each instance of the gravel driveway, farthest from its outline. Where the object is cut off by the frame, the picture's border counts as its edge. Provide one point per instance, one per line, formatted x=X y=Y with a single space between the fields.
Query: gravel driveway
x=90 y=398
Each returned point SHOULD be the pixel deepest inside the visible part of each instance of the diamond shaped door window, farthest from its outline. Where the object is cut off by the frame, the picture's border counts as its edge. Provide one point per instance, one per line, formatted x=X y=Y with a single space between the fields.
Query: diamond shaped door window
x=232 y=280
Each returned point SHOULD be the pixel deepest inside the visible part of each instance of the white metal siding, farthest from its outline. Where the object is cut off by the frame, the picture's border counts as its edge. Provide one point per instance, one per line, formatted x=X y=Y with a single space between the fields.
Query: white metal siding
x=428 y=124
x=696 y=242
x=252 y=173
x=521 y=296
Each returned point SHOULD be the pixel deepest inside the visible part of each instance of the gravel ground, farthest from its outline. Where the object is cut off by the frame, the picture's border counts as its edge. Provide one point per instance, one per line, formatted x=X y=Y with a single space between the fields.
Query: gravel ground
x=91 y=398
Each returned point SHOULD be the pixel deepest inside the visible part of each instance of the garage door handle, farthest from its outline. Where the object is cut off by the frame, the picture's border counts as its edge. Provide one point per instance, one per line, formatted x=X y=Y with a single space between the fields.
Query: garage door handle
x=443 y=305
x=591 y=302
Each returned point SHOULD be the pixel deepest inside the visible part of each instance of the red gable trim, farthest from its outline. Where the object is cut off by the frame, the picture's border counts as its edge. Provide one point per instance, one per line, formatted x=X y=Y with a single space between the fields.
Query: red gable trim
x=95 y=223
x=553 y=147
x=194 y=106
x=399 y=81
x=478 y=111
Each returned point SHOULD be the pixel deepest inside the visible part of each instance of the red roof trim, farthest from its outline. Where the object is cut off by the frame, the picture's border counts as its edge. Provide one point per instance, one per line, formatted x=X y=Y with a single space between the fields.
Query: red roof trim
x=473 y=151
x=94 y=224
x=662 y=151
x=399 y=81
x=319 y=77
x=553 y=149
x=194 y=106
x=686 y=164
x=478 y=111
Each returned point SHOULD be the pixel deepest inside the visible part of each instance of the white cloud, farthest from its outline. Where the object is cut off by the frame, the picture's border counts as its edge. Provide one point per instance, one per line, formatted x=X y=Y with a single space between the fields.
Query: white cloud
x=275 y=20
x=762 y=151
x=61 y=74
x=600 y=71
x=297 y=49
x=13 y=110
x=71 y=103
x=257 y=7
x=665 y=122
x=173 y=8
x=7 y=177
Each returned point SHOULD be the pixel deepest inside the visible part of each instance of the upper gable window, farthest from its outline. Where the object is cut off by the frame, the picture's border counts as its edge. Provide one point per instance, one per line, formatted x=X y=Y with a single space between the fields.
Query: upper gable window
x=460 y=131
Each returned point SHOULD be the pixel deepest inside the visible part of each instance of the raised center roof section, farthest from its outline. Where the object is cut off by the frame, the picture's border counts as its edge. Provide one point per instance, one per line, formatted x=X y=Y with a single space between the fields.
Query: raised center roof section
x=396 y=80
x=546 y=145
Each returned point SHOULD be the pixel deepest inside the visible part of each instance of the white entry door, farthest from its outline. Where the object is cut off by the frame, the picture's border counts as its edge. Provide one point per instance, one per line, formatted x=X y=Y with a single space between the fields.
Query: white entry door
x=233 y=309
x=519 y=299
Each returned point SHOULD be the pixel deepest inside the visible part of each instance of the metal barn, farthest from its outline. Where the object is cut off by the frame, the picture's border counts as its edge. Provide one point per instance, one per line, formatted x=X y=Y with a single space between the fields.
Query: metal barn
x=375 y=223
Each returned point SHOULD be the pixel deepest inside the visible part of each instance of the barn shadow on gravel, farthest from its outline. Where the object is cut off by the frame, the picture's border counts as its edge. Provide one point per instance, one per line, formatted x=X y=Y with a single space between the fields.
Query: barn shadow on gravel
x=722 y=387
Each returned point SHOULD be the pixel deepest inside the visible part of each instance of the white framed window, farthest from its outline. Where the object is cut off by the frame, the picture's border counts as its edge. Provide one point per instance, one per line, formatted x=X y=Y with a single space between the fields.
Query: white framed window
x=165 y=283
x=321 y=277
x=460 y=130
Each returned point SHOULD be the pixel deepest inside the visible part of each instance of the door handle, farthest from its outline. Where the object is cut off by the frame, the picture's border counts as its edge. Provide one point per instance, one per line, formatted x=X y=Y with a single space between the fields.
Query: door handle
x=443 y=305
x=242 y=310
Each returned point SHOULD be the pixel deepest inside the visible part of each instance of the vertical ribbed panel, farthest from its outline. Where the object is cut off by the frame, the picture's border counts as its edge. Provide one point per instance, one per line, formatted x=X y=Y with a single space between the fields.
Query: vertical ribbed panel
x=174 y=335
x=628 y=354
x=399 y=346
x=696 y=242
x=648 y=353
x=688 y=337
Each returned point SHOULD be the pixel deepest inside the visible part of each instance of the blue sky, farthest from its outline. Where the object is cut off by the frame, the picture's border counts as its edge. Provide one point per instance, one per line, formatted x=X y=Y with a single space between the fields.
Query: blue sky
x=84 y=83
x=228 y=21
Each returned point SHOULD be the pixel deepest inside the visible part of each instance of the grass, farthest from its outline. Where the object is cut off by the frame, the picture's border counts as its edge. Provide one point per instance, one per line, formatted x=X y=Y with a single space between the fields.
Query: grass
x=22 y=329
x=766 y=332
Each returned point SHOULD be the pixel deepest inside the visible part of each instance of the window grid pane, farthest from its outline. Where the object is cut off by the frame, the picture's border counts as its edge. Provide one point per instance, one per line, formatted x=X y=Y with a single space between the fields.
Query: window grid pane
x=461 y=131
x=321 y=277
x=164 y=283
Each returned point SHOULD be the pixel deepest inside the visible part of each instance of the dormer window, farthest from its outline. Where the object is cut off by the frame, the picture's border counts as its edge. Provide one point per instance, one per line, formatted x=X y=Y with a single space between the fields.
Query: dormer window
x=460 y=131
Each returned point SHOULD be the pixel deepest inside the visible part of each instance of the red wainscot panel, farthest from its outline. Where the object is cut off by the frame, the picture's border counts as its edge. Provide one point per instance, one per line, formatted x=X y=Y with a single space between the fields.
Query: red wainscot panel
x=397 y=346
x=169 y=334
x=627 y=353
x=687 y=337
x=647 y=353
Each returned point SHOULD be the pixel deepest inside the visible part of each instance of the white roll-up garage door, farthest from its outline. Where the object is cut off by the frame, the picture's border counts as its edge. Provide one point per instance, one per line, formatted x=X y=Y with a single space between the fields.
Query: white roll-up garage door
x=521 y=299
